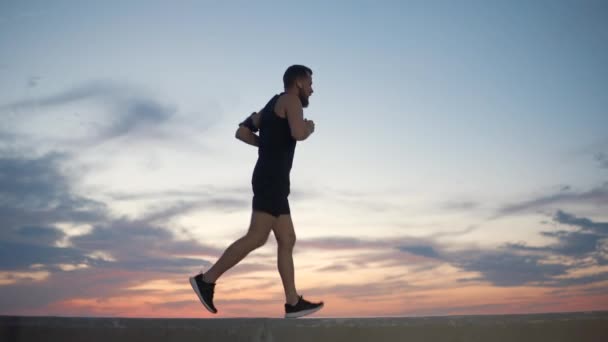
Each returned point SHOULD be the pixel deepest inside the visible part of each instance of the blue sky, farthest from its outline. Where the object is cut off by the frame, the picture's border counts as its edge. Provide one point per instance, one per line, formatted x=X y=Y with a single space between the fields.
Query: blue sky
x=445 y=126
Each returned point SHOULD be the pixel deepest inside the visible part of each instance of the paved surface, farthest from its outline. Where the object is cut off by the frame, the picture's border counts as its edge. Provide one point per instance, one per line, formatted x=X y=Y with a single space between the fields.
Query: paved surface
x=579 y=327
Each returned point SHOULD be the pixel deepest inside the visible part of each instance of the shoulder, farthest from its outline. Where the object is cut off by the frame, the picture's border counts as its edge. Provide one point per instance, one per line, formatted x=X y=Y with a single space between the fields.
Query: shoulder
x=290 y=99
x=288 y=102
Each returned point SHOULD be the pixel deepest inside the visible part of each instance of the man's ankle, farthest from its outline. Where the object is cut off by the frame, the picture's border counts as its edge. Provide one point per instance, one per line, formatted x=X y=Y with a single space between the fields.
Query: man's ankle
x=293 y=301
x=207 y=280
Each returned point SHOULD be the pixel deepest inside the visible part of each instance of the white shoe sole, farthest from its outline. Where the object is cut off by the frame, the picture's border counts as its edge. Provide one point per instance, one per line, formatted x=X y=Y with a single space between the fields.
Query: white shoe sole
x=303 y=313
x=200 y=297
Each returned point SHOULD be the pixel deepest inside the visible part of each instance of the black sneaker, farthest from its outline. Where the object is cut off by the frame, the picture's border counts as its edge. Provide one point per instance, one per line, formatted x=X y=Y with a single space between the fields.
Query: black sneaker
x=204 y=291
x=302 y=308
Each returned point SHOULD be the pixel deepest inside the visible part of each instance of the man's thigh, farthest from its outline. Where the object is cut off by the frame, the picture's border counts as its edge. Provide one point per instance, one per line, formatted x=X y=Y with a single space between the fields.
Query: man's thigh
x=261 y=224
x=283 y=229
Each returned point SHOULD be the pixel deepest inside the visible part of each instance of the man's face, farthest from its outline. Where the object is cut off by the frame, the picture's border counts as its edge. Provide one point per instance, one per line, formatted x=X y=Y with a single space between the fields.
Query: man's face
x=305 y=90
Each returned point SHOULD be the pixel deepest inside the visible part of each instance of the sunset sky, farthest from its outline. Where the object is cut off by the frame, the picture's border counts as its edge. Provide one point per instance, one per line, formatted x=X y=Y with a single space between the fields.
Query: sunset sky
x=459 y=163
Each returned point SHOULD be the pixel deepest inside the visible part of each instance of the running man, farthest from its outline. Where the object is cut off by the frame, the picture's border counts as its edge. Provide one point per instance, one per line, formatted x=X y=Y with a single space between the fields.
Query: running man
x=280 y=124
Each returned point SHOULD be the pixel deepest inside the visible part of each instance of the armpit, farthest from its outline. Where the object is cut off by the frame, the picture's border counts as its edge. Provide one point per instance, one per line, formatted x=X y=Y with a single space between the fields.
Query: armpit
x=248 y=122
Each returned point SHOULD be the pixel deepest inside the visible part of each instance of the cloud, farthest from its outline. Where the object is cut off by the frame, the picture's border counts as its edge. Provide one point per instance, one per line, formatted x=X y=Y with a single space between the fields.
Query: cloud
x=60 y=285
x=602 y=160
x=32 y=82
x=515 y=264
x=334 y=268
x=41 y=235
x=369 y=291
x=36 y=197
x=581 y=243
x=341 y=243
x=460 y=205
x=584 y=223
x=104 y=261
x=109 y=92
x=16 y=256
x=35 y=193
x=126 y=109
x=596 y=196
x=506 y=268
x=422 y=250
x=215 y=202
x=207 y=198
x=137 y=245
x=454 y=233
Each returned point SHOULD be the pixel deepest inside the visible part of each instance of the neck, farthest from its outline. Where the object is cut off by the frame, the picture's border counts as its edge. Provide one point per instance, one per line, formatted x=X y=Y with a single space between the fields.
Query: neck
x=292 y=91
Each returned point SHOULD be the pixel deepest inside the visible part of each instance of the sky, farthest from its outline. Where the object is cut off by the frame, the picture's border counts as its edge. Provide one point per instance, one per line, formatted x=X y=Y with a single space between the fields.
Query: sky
x=459 y=163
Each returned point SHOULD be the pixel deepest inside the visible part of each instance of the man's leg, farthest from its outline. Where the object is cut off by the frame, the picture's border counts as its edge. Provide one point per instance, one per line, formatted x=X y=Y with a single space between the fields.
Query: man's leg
x=259 y=229
x=286 y=238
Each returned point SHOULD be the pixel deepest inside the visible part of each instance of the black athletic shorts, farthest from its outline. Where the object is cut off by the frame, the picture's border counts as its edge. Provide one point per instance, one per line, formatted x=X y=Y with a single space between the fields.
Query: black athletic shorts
x=274 y=205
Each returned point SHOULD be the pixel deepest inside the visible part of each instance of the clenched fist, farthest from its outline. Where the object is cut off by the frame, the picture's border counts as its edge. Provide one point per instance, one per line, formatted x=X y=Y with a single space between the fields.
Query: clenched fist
x=310 y=124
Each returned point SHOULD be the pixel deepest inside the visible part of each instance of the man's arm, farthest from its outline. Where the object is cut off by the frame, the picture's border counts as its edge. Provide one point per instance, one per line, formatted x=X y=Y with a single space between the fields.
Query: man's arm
x=247 y=129
x=300 y=128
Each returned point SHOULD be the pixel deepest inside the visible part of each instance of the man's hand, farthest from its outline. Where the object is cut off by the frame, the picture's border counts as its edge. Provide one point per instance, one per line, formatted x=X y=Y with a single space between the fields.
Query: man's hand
x=310 y=124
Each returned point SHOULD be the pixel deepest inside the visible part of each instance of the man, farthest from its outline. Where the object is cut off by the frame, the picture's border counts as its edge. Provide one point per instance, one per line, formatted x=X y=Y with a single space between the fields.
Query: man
x=281 y=124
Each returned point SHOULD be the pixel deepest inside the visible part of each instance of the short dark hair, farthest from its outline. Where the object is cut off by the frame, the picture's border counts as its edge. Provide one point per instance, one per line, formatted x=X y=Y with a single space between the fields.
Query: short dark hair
x=293 y=73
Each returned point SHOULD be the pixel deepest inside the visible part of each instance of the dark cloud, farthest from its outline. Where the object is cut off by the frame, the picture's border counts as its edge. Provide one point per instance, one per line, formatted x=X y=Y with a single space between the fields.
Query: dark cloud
x=33 y=192
x=515 y=264
x=573 y=243
x=193 y=192
x=137 y=112
x=581 y=243
x=32 y=82
x=506 y=268
x=214 y=202
x=93 y=282
x=584 y=223
x=34 y=180
x=333 y=268
x=421 y=250
x=512 y=264
x=137 y=245
x=40 y=235
x=127 y=107
x=341 y=243
x=103 y=91
x=597 y=196
x=602 y=159
x=158 y=194
x=35 y=196
x=7 y=137
x=454 y=233
x=198 y=199
x=19 y=256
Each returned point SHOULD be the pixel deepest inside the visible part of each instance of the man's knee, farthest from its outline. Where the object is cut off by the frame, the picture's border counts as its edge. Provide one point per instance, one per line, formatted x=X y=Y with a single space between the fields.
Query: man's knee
x=256 y=241
x=286 y=240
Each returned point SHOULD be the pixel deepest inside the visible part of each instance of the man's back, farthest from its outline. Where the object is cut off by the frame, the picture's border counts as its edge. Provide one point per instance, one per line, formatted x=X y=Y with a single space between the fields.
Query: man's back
x=275 y=152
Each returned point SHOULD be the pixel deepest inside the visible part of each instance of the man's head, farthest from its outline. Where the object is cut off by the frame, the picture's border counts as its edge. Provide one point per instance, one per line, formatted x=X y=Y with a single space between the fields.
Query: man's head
x=299 y=78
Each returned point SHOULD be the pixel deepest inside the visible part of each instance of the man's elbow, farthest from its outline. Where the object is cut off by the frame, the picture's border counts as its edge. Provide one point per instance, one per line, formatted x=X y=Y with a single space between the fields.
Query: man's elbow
x=239 y=134
x=300 y=135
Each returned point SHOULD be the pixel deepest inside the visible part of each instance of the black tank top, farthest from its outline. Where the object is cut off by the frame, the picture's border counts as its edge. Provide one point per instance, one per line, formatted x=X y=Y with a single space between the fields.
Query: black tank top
x=275 y=153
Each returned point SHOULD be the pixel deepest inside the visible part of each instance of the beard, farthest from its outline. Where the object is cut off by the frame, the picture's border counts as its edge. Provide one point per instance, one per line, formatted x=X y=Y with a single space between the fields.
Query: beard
x=303 y=99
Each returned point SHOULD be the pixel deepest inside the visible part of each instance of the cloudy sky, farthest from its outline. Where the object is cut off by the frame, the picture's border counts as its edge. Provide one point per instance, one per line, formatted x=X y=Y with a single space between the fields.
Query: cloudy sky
x=459 y=163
